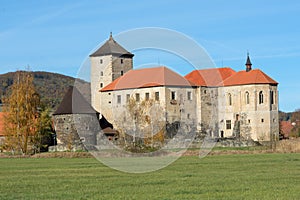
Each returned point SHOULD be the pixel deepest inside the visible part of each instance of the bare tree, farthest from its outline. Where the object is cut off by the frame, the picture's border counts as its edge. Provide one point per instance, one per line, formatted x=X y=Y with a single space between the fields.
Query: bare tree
x=143 y=121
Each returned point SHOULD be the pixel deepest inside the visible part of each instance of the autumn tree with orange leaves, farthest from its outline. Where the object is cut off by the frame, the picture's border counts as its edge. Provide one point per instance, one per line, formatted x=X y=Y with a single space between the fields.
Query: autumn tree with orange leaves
x=21 y=115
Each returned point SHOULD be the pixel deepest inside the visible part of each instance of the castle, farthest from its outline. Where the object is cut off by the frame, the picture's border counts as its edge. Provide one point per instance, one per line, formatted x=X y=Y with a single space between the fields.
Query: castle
x=218 y=101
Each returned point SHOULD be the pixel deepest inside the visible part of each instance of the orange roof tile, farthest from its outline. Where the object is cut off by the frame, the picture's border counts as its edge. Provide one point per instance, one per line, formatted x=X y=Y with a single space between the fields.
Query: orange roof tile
x=147 y=77
x=210 y=77
x=254 y=76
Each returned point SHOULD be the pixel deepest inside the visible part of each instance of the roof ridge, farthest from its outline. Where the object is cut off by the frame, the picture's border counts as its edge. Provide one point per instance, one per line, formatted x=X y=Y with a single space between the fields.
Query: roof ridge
x=222 y=82
x=255 y=76
x=262 y=73
x=147 y=77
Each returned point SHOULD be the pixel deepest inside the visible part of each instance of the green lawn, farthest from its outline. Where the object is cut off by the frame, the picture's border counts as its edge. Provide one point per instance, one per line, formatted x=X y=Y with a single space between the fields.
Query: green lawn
x=261 y=176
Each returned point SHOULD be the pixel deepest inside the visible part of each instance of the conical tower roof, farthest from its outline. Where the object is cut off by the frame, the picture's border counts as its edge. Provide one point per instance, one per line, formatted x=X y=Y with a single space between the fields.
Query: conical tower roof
x=111 y=47
x=74 y=103
x=248 y=62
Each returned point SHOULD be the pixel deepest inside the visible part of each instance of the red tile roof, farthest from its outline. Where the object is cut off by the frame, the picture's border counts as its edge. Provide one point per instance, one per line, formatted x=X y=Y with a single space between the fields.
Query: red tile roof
x=254 y=76
x=210 y=77
x=1 y=123
x=147 y=77
x=286 y=127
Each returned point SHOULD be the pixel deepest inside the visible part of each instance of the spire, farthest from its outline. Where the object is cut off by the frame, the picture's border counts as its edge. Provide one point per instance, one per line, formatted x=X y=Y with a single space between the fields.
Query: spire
x=110 y=36
x=248 y=63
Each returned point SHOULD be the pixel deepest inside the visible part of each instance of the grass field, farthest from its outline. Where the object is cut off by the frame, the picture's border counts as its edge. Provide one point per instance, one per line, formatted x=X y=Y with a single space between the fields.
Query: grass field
x=255 y=176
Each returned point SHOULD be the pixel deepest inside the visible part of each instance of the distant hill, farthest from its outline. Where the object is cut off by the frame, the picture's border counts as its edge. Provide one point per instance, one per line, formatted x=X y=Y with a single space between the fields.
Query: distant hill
x=285 y=116
x=51 y=86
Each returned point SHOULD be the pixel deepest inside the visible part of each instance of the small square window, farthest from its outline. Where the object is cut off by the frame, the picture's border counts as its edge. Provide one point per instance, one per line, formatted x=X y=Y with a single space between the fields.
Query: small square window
x=147 y=96
x=249 y=121
x=189 y=96
x=156 y=96
x=127 y=97
x=122 y=73
x=137 y=97
x=119 y=99
x=228 y=124
x=101 y=85
x=262 y=120
x=173 y=95
x=101 y=61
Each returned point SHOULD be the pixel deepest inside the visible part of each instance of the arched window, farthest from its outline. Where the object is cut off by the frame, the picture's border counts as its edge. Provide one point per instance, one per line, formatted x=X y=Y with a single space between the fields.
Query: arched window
x=229 y=99
x=261 y=97
x=247 y=97
x=272 y=97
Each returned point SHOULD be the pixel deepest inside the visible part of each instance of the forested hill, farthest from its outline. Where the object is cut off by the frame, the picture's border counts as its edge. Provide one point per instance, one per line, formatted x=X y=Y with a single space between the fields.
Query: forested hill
x=50 y=86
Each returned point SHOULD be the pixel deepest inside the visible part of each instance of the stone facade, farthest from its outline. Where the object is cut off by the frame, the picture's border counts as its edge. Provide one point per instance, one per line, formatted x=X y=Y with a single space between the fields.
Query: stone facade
x=209 y=96
x=74 y=131
x=251 y=109
x=180 y=109
x=238 y=110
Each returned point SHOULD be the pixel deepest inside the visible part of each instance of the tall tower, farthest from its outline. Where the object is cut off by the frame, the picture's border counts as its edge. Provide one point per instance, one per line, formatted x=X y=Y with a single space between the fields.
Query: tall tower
x=108 y=63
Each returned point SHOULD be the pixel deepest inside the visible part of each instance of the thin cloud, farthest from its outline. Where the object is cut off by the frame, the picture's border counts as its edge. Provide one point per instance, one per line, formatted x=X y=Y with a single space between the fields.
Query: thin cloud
x=41 y=19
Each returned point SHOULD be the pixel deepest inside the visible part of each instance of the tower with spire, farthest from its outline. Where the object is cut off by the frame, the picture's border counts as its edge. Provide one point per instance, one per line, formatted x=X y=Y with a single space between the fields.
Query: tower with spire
x=248 y=63
x=108 y=63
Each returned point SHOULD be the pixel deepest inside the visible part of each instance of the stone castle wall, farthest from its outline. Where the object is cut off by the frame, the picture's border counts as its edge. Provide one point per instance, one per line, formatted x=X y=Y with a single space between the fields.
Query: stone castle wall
x=256 y=119
x=76 y=130
x=209 y=111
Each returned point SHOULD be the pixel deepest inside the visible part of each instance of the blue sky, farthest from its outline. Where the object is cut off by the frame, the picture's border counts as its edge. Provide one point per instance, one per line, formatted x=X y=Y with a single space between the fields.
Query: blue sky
x=57 y=36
